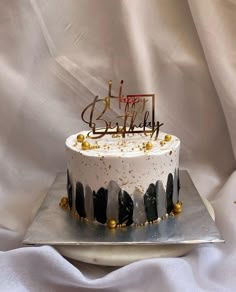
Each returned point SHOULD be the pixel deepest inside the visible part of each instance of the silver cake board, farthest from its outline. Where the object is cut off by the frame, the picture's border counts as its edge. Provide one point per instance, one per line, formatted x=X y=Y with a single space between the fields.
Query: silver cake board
x=95 y=243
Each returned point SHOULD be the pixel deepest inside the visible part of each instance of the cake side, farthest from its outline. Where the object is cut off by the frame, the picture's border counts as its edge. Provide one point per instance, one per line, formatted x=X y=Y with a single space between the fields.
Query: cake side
x=132 y=179
x=126 y=161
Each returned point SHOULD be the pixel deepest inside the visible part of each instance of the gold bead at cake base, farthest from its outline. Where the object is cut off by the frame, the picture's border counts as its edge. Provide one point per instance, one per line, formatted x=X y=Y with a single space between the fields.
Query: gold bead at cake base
x=167 y=138
x=111 y=223
x=85 y=145
x=177 y=208
x=64 y=202
x=80 y=138
x=149 y=145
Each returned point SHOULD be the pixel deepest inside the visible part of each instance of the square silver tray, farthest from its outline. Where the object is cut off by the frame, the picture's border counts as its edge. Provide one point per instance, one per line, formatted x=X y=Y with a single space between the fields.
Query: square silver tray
x=53 y=225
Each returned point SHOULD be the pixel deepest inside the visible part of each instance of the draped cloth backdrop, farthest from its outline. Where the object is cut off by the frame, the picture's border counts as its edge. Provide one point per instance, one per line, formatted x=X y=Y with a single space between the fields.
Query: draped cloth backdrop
x=55 y=56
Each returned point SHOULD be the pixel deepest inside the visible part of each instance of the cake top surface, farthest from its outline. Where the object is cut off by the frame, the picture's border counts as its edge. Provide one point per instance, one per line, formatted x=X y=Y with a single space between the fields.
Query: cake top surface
x=132 y=145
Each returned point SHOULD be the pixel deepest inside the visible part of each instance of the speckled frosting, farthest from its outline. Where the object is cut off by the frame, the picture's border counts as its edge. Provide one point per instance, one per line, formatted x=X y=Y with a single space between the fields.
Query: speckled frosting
x=123 y=173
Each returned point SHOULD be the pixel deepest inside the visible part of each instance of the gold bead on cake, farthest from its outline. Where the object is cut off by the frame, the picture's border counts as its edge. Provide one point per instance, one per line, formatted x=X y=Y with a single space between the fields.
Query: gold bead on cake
x=149 y=145
x=80 y=138
x=167 y=138
x=111 y=223
x=85 y=145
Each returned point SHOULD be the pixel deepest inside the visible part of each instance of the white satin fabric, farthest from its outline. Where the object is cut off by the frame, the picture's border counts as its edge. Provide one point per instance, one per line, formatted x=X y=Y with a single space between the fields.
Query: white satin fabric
x=55 y=56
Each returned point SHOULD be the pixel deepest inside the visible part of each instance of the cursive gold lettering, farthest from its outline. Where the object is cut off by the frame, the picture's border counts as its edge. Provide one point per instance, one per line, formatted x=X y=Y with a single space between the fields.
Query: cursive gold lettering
x=133 y=106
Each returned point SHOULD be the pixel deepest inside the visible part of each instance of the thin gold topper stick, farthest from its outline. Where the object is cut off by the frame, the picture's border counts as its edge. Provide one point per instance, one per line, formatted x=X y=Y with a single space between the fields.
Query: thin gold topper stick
x=109 y=95
x=120 y=93
x=109 y=92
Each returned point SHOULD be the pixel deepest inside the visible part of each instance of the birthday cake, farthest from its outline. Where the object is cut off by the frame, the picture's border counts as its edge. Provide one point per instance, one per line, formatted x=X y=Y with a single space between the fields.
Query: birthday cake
x=121 y=176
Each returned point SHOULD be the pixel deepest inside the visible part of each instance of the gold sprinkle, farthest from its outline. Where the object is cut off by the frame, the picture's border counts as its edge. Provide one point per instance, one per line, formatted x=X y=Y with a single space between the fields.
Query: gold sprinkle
x=162 y=143
x=125 y=183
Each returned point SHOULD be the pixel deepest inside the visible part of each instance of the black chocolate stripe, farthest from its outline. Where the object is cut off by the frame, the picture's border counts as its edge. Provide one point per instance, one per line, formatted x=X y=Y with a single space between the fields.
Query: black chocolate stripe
x=126 y=207
x=150 y=203
x=169 y=194
x=100 y=205
x=79 y=200
x=69 y=189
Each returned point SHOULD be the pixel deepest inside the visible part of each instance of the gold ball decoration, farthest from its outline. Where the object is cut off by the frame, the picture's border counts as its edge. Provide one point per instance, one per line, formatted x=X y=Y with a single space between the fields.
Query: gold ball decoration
x=178 y=208
x=64 y=202
x=149 y=145
x=85 y=145
x=80 y=138
x=111 y=223
x=167 y=138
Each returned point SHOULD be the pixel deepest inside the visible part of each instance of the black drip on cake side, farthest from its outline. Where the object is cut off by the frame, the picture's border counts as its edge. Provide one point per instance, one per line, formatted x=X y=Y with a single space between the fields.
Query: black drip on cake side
x=178 y=186
x=69 y=190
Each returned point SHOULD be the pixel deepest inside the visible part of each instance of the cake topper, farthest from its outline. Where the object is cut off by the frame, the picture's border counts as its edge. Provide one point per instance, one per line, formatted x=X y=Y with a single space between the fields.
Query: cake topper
x=131 y=109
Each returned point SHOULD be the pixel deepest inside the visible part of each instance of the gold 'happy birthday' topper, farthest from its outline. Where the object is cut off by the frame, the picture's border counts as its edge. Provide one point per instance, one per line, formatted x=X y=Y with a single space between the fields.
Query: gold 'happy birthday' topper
x=131 y=108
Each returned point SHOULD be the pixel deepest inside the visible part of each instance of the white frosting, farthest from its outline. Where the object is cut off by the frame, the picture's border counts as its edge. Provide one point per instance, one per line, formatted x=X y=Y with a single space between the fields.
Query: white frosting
x=121 y=160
